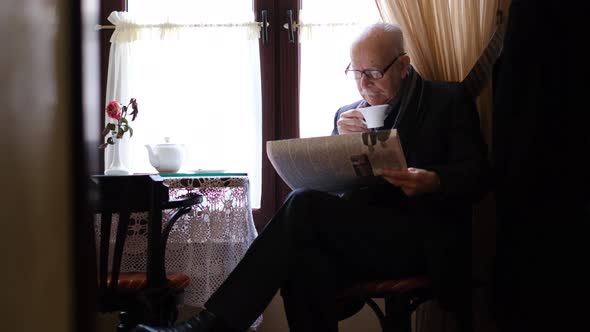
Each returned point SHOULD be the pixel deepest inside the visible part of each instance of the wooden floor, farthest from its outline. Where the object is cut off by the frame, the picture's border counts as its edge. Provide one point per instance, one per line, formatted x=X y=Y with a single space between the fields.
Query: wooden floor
x=431 y=319
x=273 y=320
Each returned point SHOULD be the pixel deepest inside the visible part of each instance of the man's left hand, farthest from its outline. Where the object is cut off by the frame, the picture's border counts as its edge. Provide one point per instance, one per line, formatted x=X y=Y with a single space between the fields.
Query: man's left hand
x=412 y=181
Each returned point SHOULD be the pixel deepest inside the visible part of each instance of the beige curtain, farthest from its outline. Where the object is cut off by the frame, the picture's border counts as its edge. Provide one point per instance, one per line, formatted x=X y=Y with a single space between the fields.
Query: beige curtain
x=445 y=38
x=452 y=40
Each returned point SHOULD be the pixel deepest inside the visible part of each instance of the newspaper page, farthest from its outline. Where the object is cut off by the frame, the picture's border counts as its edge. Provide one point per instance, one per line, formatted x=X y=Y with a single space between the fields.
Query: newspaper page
x=336 y=163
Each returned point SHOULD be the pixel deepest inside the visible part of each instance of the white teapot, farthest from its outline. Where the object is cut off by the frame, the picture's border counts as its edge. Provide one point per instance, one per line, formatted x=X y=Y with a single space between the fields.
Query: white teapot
x=167 y=157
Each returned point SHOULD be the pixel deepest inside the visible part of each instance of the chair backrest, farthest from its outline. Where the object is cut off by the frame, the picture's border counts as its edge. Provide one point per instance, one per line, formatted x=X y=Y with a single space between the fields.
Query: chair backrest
x=123 y=195
x=147 y=296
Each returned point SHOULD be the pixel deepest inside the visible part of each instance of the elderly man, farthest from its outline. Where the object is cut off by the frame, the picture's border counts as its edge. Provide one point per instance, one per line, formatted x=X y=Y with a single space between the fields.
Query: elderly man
x=417 y=221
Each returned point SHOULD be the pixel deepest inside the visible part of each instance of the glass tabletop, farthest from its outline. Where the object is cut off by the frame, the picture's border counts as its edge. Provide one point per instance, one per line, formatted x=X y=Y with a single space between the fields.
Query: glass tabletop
x=203 y=173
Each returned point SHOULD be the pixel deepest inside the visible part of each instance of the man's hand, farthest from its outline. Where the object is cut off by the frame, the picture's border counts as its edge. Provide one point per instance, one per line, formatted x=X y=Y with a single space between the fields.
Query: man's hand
x=351 y=121
x=412 y=181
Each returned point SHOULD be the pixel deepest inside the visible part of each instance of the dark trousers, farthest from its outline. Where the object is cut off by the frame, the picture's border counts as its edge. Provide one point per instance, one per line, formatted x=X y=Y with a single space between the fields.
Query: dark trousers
x=316 y=244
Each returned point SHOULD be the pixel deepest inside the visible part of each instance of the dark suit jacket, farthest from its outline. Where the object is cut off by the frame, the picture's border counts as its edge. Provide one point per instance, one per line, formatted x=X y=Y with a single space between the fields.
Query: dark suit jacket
x=440 y=131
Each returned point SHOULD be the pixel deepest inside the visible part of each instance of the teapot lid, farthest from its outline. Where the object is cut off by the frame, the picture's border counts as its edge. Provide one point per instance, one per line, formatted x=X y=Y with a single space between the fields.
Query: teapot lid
x=168 y=141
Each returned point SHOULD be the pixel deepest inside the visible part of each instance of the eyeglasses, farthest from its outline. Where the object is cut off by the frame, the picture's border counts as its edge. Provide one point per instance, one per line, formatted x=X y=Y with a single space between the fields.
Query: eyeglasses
x=372 y=74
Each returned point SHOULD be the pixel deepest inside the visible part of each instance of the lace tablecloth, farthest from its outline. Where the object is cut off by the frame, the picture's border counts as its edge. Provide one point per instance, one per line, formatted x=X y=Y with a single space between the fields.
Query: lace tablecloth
x=208 y=242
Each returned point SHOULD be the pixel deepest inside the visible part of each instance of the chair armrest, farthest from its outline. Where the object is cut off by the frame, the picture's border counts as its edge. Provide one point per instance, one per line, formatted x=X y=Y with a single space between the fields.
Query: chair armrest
x=189 y=200
x=183 y=206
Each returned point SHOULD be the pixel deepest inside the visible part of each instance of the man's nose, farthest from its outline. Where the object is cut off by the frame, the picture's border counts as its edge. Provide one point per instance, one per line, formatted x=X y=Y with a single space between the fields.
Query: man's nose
x=365 y=81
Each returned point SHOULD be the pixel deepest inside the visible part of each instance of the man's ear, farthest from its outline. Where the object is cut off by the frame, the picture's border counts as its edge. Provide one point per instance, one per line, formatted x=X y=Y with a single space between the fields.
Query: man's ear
x=405 y=61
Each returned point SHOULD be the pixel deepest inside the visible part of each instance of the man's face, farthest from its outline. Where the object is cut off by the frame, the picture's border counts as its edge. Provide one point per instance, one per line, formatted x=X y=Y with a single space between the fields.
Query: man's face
x=365 y=56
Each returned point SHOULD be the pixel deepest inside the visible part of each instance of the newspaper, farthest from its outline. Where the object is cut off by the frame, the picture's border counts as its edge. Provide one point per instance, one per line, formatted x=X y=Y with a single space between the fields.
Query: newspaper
x=336 y=163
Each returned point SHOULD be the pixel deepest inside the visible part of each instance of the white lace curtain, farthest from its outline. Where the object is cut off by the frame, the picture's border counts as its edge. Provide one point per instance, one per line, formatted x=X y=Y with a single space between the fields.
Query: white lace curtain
x=196 y=78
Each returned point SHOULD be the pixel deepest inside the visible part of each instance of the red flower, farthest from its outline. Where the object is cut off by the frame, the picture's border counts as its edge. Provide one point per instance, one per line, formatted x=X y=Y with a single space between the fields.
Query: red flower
x=113 y=131
x=114 y=110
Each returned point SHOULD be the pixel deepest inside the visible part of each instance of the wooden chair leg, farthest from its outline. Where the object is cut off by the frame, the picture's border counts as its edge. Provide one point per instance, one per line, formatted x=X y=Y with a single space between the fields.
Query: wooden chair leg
x=464 y=320
x=127 y=321
x=375 y=307
x=398 y=314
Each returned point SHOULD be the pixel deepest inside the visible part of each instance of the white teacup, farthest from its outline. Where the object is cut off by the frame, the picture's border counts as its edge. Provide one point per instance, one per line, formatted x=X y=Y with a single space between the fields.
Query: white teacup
x=374 y=115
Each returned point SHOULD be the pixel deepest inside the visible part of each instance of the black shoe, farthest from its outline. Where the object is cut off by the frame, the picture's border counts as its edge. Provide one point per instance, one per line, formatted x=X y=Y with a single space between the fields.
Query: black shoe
x=205 y=321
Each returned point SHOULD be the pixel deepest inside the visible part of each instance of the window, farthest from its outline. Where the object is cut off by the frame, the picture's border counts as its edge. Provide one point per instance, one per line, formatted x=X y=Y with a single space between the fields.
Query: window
x=328 y=28
x=219 y=90
x=194 y=68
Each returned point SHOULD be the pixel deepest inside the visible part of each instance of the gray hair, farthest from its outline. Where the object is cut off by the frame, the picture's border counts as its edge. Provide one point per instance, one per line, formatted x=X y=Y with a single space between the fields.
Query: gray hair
x=389 y=31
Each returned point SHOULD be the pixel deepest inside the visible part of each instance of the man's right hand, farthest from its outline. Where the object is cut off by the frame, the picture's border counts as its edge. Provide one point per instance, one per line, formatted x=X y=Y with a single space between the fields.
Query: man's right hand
x=351 y=121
